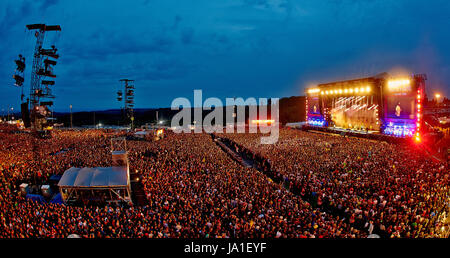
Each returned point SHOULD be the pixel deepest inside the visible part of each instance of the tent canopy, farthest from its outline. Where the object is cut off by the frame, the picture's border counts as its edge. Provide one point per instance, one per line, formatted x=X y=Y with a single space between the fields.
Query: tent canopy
x=94 y=177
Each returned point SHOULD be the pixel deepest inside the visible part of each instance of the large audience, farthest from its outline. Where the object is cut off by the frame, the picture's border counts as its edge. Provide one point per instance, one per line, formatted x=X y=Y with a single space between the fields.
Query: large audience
x=313 y=186
x=389 y=189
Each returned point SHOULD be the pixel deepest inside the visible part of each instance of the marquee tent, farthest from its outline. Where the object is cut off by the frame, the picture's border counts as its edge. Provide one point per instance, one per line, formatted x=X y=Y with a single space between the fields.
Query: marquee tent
x=110 y=184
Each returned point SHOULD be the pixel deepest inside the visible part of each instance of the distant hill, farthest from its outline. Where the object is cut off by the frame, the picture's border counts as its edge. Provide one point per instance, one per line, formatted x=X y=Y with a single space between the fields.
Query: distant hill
x=292 y=109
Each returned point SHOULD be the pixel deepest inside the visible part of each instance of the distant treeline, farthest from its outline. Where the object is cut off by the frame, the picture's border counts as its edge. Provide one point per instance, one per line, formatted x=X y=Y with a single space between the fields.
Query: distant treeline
x=292 y=109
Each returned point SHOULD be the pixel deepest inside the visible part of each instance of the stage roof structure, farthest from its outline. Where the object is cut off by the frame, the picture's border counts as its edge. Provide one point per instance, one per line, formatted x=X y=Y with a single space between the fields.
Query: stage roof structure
x=95 y=177
x=98 y=184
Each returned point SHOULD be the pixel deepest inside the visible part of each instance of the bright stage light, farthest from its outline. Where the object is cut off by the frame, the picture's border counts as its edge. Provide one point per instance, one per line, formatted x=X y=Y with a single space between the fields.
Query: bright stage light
x=340 y=91
x=269 y=121
x=437 y=96
x=362 y=89
x=335 y=91
x=315 y=90
x=326 y=92
x=345 y=91
x=356 y=90
x=351 y=90
x=397 y=85
x=368 y=88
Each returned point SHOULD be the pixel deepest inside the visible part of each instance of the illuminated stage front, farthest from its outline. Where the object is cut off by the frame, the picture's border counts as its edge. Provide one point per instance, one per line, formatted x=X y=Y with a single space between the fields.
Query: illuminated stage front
x=380 y=104
x=358 y=112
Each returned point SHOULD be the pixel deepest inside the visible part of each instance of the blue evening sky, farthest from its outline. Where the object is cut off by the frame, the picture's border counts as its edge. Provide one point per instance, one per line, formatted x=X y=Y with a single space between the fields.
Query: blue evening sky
x=234 y=48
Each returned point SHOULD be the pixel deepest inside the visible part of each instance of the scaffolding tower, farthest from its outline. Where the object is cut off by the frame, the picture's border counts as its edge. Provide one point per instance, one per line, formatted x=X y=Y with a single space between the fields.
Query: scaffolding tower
x=43 y=62
x=128 y=98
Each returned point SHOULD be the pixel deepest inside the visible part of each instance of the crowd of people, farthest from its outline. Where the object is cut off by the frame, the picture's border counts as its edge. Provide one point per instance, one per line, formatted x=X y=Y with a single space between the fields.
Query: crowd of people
x=337 y=188
x=388 y=189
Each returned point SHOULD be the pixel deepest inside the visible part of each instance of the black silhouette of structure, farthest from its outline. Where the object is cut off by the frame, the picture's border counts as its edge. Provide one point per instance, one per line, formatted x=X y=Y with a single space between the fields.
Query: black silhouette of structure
x=128 y=97
x=42 y=77
x=19 y=79
x=18 y=73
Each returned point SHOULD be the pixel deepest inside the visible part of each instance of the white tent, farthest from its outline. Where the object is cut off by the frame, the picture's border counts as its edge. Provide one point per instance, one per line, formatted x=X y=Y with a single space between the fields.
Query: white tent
x=94 y=177
x=111 y=184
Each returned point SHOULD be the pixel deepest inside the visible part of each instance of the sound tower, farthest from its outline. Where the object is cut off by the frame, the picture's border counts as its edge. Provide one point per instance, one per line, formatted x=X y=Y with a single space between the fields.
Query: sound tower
x=25 y=114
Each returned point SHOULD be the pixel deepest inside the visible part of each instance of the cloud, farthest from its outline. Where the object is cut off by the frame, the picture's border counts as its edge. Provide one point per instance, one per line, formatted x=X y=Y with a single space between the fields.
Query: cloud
x=177 y=21
x=45 y=4
x=187 y=36
x=14 y=15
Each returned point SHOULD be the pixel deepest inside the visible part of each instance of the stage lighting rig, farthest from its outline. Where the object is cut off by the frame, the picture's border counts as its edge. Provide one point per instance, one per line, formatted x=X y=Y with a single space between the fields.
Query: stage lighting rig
x=128 y=99
x=43 y=65
x=19 y=72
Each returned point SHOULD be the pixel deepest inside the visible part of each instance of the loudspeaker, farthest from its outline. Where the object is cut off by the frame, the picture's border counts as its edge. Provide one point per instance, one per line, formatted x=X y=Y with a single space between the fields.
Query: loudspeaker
x=25 y=114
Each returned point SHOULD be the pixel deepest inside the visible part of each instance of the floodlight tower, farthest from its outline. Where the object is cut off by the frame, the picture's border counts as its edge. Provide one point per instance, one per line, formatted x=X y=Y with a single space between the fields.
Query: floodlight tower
x=128 y=98
x=42 y=68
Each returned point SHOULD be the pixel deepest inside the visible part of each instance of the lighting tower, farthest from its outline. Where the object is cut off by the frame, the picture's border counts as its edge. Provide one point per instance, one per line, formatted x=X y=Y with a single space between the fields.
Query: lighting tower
x=40 y=93
x=128 y=98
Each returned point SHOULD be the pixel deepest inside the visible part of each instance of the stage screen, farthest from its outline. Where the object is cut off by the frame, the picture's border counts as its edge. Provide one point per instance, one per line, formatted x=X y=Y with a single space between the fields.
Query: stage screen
x=401 y=105
x=313 y=105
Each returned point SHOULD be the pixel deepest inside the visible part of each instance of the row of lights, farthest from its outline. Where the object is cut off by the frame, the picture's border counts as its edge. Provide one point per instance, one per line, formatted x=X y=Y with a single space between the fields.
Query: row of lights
x=395 y=84
x=307 y=109
x=376 y=114
x=399 y=130
x=402 y=85
x=315 y=90
x=419 y=114
x=316 y=122
x=356 y=90
x=268 y=121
